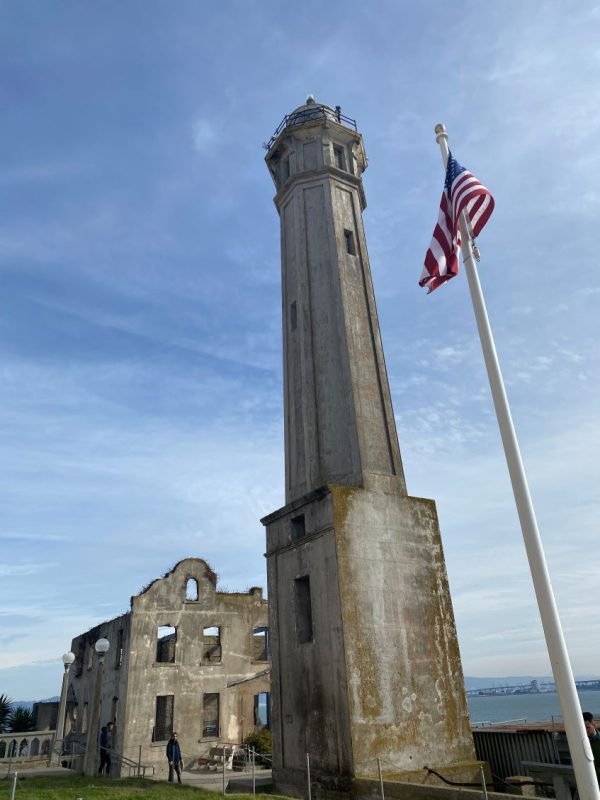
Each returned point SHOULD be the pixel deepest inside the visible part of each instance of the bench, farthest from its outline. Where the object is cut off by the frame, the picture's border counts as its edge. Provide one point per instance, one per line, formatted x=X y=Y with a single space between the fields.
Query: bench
x=561 y=776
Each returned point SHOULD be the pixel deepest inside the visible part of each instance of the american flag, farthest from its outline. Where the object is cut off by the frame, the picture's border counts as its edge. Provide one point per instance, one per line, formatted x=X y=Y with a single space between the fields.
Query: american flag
x=462 y=191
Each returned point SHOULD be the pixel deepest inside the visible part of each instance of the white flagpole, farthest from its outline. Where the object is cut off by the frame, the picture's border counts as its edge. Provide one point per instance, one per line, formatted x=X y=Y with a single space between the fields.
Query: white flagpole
x=581 y=752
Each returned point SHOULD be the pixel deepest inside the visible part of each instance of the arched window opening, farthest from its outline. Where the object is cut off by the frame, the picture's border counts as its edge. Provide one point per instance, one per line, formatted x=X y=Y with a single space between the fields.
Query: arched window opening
x=191 y=589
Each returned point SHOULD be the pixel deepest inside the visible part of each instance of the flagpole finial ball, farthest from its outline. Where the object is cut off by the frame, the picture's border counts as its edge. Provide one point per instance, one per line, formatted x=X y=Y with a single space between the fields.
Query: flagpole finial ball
x=440 y=128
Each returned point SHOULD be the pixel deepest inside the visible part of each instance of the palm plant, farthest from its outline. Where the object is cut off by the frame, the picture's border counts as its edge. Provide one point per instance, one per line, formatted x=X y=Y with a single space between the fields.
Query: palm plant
x=5 y=708
x=20 y=720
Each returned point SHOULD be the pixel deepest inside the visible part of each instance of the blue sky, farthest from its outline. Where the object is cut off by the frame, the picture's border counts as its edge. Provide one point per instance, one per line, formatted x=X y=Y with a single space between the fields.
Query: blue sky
x=140 y=344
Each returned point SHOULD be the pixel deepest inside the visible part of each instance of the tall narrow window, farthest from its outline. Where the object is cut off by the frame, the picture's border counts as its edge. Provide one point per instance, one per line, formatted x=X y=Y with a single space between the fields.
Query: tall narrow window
x=114 y=710
x=90 y=655
x=191 y=589
x=84 y=718
x=304 y=625
x=285 y=169
x=211 y=645
x=260 y=644
x=297 y=527
x=262 y=714
x=163 y=721
x=293 y=316
x=210 y=714
x=349 y=240
x=119 y=650
x=339 y=156
x=166 y=640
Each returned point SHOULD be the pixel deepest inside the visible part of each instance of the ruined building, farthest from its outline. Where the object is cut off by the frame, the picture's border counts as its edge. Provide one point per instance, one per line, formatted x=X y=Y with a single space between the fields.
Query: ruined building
x=185 y=657
x=366 y=664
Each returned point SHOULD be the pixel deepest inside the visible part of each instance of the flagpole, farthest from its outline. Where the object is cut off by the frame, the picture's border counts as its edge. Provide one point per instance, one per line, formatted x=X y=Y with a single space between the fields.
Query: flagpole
x=579 y=746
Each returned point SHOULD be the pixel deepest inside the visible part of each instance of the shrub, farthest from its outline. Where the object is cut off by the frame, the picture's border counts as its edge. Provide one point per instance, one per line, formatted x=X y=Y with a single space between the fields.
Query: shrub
x=260 y=740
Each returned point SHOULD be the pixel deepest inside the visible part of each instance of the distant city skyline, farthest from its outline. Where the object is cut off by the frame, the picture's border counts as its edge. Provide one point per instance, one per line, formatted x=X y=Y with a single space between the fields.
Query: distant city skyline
x=140 y=321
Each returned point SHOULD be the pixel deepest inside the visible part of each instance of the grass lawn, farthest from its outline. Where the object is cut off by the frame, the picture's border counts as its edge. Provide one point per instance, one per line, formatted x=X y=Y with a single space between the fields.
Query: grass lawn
x=77 y=787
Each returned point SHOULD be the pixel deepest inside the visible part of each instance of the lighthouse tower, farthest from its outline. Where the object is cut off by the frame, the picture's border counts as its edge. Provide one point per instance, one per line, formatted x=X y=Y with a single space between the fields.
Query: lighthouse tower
x=365 y=659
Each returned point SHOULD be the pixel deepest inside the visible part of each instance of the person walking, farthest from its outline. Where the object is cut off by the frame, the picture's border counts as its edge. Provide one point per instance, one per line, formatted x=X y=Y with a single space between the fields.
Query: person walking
x=106 y=743
x=174 y=758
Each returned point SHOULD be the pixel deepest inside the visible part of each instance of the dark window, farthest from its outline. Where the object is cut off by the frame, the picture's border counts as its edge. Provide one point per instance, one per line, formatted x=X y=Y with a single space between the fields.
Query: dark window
x=285 y=169
x=191 y=589
x=211 y=645
x=119 y=650
x=339 y=157
x=262 y=715
x=210 y=714
x=114 y=710
x=260 y=644
x=304 y=626
x=166 y=640
x=163 y=722
x=293 y=316
x=349 y=239
x=297 y=527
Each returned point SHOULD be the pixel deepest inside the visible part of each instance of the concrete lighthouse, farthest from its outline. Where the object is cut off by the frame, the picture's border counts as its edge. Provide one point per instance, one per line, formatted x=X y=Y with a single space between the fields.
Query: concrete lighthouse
x=365 y=659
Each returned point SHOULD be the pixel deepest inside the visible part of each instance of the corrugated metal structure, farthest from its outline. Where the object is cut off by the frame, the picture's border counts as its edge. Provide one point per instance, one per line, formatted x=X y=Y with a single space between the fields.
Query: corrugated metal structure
x=506 y=750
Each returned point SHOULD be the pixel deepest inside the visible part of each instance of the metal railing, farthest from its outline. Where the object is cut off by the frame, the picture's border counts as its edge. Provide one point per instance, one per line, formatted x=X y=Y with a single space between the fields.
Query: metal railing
x=308 y=114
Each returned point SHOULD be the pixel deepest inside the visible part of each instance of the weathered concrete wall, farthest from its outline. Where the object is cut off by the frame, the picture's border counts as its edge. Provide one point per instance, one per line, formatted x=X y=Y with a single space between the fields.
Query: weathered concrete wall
x=189 y=677
x=381 y=676
x=405 y=680
x=338 y=413
x=309 y=692
x=133 y=674
x=113 y=697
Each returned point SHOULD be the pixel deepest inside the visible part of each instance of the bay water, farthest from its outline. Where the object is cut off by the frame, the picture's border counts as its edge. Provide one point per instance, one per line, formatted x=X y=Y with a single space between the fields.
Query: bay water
x=530 y=707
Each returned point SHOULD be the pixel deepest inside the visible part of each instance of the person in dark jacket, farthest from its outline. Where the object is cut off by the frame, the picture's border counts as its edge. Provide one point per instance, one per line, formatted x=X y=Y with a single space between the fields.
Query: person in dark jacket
x=106 y=743
x=174 y=757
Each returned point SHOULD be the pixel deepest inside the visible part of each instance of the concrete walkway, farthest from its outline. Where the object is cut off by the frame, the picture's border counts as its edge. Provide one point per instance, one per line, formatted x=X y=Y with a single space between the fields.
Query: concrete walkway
x=213 y=781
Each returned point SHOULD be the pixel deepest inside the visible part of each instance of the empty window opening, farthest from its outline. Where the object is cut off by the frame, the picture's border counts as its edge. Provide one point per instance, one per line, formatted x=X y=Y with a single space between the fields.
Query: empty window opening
x=260 y=644
x=339 y=157
x=293 y=316
x=262 y=711
x=211 y=645
x=210 y=714
x=165 y=644
x=191 y=589
x=163 y=720
x=350 y=245
x=119 y=649
x=297 y=527
x=114 y=710
x=304 y=626
x=285 y=168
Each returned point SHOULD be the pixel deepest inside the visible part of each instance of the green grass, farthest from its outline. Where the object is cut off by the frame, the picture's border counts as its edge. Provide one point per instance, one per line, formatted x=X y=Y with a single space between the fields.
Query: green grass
x=73 y=787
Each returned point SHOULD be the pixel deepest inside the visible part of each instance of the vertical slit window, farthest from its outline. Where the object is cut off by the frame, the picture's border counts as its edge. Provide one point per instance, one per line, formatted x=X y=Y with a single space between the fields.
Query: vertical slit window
x=297 y=527
x=303 y=607
x=293 y=316
x=262 y=716
x=163 y=721
x=119 y=650
x=349 y=240
x=210 y=714
x=339 y=157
